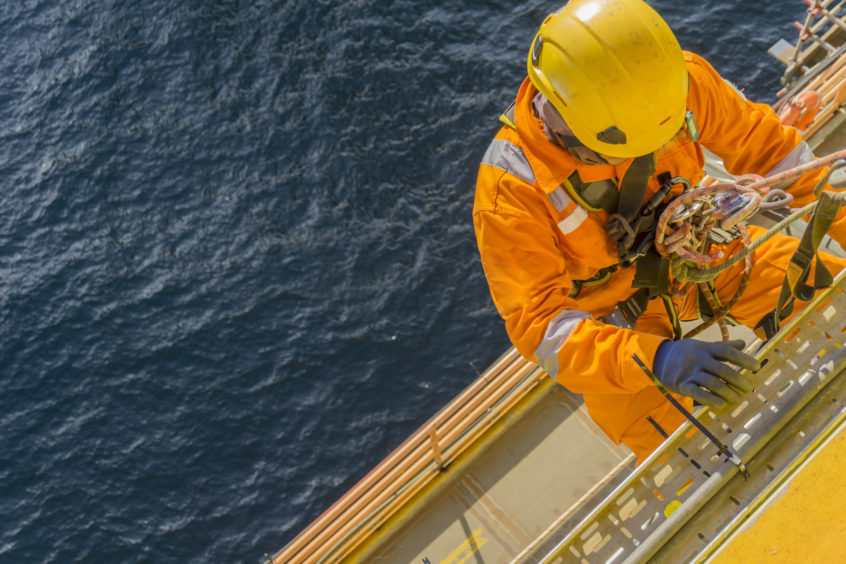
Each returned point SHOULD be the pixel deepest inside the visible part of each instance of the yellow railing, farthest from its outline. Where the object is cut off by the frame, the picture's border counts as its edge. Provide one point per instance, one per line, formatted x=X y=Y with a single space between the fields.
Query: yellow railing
x=821 y=39
x=414 y=464
x=831 y=86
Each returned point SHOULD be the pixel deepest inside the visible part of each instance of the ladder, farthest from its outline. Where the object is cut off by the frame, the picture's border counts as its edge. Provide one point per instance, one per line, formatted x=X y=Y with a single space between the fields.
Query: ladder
x=686 y=500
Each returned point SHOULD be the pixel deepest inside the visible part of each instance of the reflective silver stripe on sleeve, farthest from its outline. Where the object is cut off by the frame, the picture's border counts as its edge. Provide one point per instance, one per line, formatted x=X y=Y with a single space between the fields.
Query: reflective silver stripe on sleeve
x=572 y=221
x=557 y=332
x=506 y=156
x=560 y=199
x=800 y=155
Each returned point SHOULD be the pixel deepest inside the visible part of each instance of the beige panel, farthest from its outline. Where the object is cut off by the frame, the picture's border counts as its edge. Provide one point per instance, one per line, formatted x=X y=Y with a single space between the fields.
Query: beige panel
x=510 y=494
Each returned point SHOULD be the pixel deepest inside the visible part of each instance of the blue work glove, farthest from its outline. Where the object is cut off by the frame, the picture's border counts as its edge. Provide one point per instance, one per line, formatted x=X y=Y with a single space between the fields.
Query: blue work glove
x=697 y=369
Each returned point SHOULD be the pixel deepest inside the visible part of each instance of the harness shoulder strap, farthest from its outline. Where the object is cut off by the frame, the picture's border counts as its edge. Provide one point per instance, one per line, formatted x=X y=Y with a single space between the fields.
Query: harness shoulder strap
x=593 y=196
x=625 y=225
x=633 y=185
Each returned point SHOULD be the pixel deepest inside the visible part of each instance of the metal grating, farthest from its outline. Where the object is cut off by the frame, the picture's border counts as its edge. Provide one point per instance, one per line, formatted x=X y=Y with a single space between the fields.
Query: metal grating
x=669 y=487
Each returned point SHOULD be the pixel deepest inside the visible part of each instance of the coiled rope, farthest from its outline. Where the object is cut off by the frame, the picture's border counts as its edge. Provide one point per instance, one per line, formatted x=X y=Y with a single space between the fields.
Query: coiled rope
x=684 y=226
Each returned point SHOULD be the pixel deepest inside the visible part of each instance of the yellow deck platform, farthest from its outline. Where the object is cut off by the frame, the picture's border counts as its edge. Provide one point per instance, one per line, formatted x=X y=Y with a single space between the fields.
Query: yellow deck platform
x=805 y=521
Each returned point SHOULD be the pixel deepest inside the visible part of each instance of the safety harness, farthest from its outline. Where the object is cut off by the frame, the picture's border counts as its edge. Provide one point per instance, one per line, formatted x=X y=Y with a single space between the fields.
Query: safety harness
x=662 y=238
x=632 y=226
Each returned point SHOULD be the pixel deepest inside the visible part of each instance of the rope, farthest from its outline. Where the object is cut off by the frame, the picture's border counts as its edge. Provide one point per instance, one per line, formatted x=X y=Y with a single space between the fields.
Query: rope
x=719 y=313
x=684 y=225
x=693 y=273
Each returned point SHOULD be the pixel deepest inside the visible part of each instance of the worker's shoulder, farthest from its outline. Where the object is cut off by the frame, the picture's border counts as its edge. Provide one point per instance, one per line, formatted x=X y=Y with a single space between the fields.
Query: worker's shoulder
x=693 y=58
x=698 y=67
x=507 y=153
x=506 y=182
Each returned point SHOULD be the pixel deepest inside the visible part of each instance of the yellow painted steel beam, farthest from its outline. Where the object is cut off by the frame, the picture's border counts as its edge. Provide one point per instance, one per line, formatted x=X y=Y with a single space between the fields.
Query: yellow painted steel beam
x=801 y=518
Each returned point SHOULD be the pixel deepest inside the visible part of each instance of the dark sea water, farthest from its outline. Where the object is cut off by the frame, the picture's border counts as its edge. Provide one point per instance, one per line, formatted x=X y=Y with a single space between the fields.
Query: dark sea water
x=236 y=252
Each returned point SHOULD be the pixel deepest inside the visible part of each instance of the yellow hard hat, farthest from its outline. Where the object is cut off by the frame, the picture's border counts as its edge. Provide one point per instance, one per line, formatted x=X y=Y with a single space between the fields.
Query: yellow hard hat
x=615 y=72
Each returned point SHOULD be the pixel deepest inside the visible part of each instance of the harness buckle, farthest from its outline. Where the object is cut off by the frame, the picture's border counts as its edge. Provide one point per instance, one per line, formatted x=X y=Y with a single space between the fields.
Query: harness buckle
x=638 y=250
x=617 y=318
x=626 y=313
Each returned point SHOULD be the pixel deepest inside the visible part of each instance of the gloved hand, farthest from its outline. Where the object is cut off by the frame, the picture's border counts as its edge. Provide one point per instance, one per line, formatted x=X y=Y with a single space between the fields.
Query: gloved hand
x=697 y=369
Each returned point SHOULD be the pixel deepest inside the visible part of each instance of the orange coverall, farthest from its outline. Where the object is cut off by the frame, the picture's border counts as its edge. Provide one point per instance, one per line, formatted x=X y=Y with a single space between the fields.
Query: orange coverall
x=535 y=240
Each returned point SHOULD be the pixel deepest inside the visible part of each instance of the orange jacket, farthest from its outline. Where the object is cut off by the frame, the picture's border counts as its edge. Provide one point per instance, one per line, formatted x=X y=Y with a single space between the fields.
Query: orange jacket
x=535 y=240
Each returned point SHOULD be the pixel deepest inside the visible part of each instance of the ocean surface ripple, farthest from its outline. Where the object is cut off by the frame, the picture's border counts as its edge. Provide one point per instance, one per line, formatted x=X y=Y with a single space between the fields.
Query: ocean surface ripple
x=237 y=258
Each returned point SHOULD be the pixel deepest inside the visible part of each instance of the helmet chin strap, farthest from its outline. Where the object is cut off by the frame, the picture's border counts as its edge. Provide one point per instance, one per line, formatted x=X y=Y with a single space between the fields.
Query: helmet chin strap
x=558 y=132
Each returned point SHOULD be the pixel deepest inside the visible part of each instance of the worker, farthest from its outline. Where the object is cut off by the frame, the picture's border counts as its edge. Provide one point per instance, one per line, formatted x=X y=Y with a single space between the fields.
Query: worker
x=611 y=103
